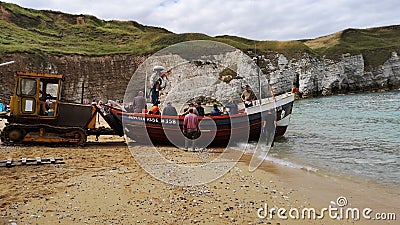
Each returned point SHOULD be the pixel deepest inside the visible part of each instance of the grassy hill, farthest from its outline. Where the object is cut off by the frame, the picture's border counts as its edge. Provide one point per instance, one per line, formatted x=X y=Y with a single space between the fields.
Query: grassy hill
x=41 y=31
x=376 y=44
x=29 y=30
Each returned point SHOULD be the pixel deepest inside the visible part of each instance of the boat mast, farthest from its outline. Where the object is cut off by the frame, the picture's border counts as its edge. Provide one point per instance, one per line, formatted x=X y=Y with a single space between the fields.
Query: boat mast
x=258 y=71
x=145 y=85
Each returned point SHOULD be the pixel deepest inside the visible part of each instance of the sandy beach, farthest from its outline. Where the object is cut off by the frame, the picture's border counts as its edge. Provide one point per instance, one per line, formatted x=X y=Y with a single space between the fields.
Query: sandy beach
x=102 y=183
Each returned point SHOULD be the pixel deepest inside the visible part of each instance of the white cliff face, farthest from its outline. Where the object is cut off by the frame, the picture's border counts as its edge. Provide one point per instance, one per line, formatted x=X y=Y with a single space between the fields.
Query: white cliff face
x=282 y=78
x=315 y=76
x=326 y=77
x=391 y=70
x=106 y=77
x=191 y=79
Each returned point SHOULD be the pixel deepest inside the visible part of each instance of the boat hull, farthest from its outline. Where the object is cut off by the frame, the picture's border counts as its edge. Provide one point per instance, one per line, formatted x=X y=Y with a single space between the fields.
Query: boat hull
x=214 y=130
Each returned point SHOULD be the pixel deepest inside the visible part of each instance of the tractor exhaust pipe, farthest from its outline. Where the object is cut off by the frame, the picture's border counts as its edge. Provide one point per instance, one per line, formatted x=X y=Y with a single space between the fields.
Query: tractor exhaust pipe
x=83 y=91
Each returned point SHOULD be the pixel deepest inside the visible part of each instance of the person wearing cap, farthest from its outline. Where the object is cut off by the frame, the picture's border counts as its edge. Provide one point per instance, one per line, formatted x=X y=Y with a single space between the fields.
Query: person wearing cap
x=155 y=81
x=169 y=110
x=248 y=96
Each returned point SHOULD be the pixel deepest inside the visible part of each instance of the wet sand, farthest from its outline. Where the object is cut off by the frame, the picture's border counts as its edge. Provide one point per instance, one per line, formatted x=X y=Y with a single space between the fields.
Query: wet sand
x=102 y=183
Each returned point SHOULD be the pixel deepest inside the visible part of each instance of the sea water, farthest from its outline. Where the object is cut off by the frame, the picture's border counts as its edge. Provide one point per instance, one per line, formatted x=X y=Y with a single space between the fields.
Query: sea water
x=356 y=135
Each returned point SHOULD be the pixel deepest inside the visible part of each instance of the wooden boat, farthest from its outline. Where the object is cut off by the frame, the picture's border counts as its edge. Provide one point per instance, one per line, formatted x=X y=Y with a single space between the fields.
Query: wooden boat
x=215 y=130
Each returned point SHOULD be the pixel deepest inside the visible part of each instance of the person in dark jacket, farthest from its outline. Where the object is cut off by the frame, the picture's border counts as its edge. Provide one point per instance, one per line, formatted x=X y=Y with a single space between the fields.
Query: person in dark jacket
x=200 y=109
x=215 y=111
x=169 y=110
x=139 y=102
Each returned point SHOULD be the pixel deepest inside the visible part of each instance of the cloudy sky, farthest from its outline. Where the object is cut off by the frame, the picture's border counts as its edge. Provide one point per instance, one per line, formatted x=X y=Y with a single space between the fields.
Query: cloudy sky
x=254 y=19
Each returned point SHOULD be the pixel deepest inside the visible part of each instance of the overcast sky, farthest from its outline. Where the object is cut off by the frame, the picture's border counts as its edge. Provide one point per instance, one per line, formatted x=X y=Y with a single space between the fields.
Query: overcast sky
x=254 y=19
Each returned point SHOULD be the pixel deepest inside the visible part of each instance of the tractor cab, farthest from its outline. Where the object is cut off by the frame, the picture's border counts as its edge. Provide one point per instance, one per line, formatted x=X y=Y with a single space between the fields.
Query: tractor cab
x=36 y=95
x=37 y=114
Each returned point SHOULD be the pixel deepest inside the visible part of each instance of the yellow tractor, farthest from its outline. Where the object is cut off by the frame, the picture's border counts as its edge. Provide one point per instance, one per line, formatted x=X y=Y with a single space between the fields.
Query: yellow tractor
x=38 y=115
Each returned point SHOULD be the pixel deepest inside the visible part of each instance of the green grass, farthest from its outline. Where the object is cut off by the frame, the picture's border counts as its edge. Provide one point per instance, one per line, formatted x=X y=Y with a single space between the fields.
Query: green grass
x=375 y=44
x=29 y=30
x=33 y=31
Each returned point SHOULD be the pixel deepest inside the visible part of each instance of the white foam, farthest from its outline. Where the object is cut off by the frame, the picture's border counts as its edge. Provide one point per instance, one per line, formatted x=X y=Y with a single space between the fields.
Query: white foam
x=249 y=148
x=285 y=162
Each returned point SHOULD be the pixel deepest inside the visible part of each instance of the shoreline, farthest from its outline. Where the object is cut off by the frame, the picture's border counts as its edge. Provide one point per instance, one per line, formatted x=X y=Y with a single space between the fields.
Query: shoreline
x=301 y=165
x=335 y=185
x=320 y=95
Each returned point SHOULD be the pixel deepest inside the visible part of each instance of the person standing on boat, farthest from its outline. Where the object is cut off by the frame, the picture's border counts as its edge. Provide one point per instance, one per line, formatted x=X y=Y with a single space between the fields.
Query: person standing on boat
x=232 y=107
x=155 y=81
x=139 y=102
x=191 y=129
x=248 y=96
x=169 y=110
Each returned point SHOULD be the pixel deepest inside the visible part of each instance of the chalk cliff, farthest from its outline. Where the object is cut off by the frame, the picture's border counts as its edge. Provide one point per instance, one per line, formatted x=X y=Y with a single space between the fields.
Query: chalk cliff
x=106 y=77
x=315 y=77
